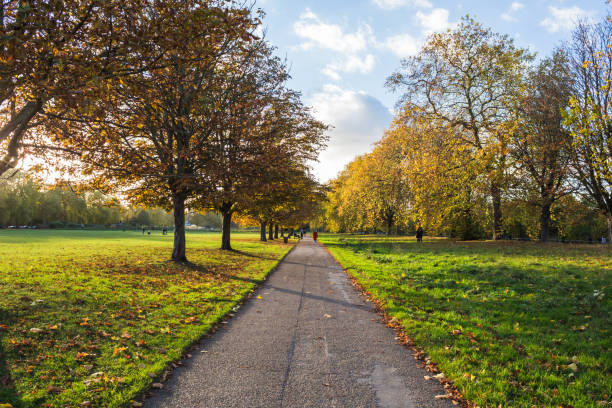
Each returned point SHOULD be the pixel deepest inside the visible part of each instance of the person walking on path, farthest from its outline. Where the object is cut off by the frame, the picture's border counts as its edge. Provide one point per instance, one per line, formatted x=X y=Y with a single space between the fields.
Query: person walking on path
x=315 y=235
x=419 y=234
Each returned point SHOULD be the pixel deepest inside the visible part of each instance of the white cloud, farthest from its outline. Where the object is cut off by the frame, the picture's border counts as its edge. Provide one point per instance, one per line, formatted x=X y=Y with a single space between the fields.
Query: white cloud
x=562 y=19
x=435 y=21
x=330 y=36
x=393 y=4
x=350 y=48
x=403 y=45
x=358 y=119
x=510 y=14
x=352 y=63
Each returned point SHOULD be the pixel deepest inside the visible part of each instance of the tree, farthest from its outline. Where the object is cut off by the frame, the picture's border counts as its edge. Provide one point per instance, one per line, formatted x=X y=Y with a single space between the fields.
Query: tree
x=386 y=188
x=542 y=143
x=589 y=114
x=55 y=52
x=266 y=130
x=468 y=80
x=150 y=134
x=445 y=178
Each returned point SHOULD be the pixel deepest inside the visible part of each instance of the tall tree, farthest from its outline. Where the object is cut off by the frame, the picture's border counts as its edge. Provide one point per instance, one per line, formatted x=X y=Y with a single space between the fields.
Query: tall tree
x=266 y=129
x=589 y=116
x=55 y=51
x=542 y=144
x=155 y=126
x=468 y=79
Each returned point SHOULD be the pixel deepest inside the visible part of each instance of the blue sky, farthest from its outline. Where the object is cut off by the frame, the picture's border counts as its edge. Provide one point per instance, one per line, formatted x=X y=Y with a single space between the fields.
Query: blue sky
x=341 y=51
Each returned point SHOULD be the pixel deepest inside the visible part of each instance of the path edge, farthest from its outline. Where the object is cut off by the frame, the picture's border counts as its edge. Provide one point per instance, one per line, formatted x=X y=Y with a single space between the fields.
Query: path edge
x=148 y=392
x=404 y=338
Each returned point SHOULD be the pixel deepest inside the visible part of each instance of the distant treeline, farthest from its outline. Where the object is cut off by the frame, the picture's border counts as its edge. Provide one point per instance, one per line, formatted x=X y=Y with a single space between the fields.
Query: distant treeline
x=25 y=203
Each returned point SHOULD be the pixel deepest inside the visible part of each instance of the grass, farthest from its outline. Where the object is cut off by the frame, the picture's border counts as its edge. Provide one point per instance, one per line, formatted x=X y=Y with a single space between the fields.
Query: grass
x=98 y=316
x=512 y=324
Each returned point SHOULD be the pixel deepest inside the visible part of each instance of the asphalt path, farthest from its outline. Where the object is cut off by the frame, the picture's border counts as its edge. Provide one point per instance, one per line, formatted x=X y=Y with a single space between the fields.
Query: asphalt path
x=306 y=339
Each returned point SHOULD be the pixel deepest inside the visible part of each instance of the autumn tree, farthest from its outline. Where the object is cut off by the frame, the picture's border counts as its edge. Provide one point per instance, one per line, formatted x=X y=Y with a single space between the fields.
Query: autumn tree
x=346 y=211
x=541 y=143
x=57 y=52
x=468 y=79
x=444 y=177
x=589 y=114
x=149 y=134
x=265 y=131
x=386 y=189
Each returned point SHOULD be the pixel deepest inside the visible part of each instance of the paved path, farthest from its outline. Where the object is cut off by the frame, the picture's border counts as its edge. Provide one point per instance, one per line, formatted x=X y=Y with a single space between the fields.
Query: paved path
x=310 y=341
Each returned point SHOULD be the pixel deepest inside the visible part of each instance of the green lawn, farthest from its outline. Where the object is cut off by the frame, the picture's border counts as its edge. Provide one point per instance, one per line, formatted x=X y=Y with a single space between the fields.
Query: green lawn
x=512 y=324
x=98 y=315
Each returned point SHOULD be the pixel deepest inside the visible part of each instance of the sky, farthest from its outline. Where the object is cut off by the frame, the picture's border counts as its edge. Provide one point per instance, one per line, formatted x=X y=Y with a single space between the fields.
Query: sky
x=340 y=53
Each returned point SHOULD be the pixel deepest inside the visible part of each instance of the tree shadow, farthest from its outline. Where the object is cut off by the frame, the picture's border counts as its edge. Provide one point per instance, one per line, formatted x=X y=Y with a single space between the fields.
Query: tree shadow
x=248 y=255
x=194 y=267
x=8 y=394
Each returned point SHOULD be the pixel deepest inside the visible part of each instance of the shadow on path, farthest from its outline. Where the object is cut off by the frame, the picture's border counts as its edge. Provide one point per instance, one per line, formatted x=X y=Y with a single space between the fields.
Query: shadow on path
x=322 y=298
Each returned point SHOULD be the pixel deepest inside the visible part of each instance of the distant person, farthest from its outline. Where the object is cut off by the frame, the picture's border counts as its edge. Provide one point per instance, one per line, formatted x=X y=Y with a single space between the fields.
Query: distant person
x=143 y=230
x=149 y=233
x=315 y=235
x=302 y=233
x=603 y=240
x=165 y=231
x=419 y=234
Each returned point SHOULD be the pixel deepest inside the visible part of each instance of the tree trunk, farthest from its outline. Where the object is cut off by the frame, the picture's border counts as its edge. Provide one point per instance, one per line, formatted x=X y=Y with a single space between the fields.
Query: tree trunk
x=227 y=224
x=178 y=252
x=276 y=231
x=609 y=218
x=497 y=212
x=271 y=232
x=545 y=222
x=262 y=231
x=389 y=225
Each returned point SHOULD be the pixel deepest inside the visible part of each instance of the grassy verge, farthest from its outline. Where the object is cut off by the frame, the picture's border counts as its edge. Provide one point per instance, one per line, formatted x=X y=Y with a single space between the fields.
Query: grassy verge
x=512 y=324
x=98 y=316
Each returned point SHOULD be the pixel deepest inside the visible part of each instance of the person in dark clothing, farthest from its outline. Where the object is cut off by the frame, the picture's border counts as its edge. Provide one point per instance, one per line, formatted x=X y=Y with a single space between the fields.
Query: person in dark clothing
x=419 y=234
x=315 y=235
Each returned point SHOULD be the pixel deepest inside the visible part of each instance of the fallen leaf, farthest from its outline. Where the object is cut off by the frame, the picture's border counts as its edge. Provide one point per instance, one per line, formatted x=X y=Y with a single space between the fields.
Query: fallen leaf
x=440 y=376
x=119 y=350
x=442 y=396
x=327 y=316
x=35 y=330
x=427 y=378
x=573 y=367
x=158 y=386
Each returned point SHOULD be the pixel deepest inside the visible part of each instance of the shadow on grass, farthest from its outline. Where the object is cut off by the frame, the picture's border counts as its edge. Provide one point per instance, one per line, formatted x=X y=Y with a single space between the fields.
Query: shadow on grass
x=8 y=394
x=248 y=255
x=194 y=267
